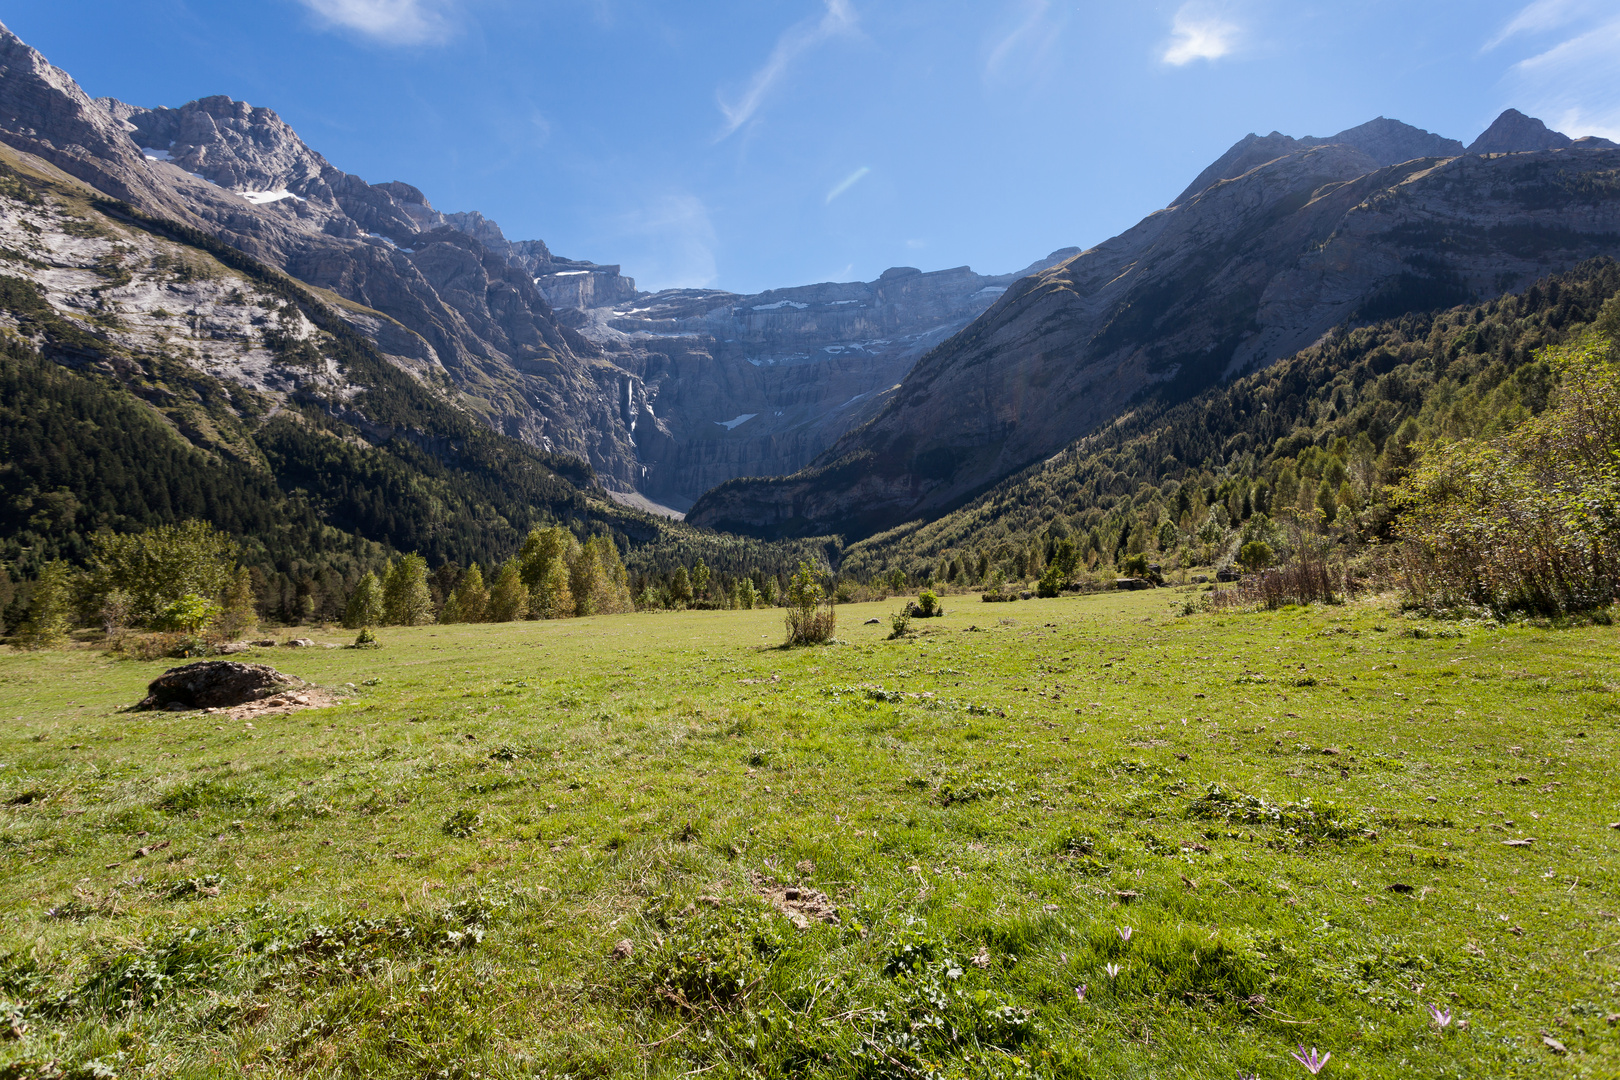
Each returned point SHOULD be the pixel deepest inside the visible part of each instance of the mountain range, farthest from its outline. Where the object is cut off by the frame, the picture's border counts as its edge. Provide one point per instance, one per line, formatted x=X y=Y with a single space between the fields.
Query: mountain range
x=1278 y=242
x=830 y=408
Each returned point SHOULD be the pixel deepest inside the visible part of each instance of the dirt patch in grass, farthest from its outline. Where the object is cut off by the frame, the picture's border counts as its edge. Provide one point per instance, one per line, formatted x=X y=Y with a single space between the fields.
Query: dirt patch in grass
x=801 y=905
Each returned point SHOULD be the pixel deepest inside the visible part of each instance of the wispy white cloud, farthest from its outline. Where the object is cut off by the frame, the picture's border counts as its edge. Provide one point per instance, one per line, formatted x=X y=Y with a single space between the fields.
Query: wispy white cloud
x=676 y=238
x=837 y=20
x=1199 y=32
x=847 y=182
x=392 y=22
x=1542 y=16
x=1572 y=86
x=1028 y=46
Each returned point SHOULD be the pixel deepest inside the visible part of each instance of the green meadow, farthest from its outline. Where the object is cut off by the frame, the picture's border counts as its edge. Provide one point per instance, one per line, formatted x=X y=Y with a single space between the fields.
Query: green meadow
x=1082 y=837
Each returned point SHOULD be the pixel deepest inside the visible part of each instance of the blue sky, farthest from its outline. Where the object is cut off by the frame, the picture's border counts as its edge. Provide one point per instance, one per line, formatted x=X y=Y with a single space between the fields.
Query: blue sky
x=746 y=144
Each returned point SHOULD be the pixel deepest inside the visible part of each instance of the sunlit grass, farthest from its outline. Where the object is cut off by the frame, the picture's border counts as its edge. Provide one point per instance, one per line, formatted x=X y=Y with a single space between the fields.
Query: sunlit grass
x=432 y=878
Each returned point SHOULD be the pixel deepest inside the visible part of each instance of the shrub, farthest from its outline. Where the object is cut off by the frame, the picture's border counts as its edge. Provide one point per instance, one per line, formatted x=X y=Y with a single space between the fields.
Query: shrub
x=900 y=624
x=927 y=605
x=1052 y=582
x=191 y=614
x=160 y=566
x=1255 y=555
x=807 y=623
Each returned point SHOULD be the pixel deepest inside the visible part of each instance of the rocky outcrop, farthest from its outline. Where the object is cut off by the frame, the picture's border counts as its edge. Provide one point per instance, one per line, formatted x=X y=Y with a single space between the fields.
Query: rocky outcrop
x=216 y=684
x=1251 y=268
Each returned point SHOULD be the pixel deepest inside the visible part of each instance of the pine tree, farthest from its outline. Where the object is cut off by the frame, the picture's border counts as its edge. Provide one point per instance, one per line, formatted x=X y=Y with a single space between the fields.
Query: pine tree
x=680 y=588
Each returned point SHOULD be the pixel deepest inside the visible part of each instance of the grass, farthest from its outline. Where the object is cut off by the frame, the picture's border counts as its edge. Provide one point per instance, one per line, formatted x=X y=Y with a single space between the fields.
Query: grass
x=1302 y=817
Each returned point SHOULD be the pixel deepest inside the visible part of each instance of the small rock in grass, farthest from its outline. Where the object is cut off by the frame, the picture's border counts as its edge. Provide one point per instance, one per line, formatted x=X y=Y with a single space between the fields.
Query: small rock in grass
x=1554 y=1045
x=871 y=622
x=624 y=949
x=1521 y=842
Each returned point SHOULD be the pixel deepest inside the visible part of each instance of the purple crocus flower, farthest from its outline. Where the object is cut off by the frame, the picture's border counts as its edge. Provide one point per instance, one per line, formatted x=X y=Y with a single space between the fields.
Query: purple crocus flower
x=1442 y=1017
x=1311 y=1061
x=1080 y=991
x=1125 y=933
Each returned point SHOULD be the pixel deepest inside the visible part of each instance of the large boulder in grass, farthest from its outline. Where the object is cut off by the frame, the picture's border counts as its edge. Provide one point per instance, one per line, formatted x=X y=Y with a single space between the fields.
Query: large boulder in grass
x=215 y=684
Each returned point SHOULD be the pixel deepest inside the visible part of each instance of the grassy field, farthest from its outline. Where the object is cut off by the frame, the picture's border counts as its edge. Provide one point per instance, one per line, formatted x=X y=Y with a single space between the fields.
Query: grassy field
x=1082 y=837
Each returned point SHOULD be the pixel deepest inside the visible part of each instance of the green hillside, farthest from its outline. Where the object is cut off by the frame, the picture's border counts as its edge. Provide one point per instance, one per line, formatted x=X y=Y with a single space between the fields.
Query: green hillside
x=1327 y=430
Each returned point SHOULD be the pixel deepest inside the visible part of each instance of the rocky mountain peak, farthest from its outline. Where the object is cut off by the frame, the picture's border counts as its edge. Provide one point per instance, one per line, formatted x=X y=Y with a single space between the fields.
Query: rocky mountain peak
x=404 y=193
x=1390 y=142
x=230 y=143
x=1383 y=141
x=45 y=112
x=1515 y=133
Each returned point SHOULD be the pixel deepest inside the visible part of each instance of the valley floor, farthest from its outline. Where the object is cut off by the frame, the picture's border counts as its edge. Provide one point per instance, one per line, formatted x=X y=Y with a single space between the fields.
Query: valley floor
x=1075 y=837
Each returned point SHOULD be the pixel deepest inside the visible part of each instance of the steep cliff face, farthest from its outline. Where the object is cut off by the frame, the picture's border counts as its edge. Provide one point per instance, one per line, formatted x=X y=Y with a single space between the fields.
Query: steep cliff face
x=1250 y=268
x=731 y=385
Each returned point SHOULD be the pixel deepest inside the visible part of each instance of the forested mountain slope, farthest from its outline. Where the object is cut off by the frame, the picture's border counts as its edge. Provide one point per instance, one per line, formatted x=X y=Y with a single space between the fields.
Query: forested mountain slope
x=149 y=373
x=1331 y=426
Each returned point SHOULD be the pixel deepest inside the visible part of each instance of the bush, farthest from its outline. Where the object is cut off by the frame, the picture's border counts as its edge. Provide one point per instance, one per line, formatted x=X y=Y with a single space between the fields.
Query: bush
x=1304 y=579
x=900 y=624
x=927 y=605
x=807 y=622
x=161 y=566
x=1255 y=555
x=191 y=614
